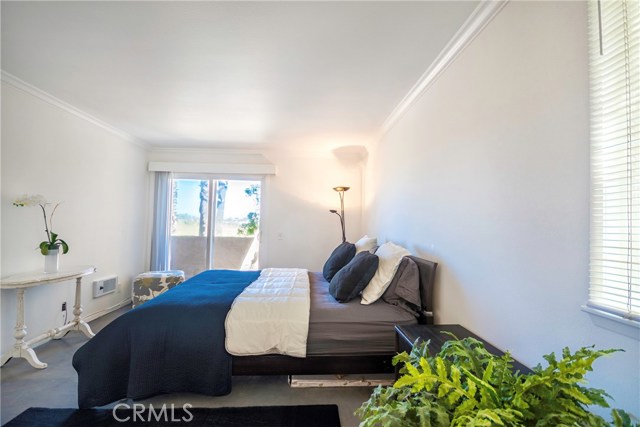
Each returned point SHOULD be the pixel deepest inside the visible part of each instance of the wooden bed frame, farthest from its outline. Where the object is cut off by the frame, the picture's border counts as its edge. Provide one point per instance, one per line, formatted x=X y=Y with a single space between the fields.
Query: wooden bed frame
x=330 y=365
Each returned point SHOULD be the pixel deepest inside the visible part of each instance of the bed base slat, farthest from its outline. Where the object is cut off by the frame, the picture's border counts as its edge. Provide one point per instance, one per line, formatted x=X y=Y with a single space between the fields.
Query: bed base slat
x=312 y=365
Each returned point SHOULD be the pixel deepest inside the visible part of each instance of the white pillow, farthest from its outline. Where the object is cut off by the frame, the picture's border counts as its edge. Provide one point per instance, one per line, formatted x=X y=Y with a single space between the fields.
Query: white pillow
x=366 y=244
x=389 y=257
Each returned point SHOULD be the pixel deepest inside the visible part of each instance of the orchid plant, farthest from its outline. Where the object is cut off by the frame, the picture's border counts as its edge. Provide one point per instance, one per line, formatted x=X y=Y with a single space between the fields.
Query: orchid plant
x=53 y=242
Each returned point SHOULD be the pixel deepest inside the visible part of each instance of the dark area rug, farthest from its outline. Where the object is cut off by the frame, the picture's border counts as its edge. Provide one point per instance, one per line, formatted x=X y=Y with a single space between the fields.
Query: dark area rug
x=252 y=416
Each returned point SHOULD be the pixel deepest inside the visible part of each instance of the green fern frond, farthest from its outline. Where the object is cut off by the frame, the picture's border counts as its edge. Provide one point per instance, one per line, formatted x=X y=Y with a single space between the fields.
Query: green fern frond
x=464 y=385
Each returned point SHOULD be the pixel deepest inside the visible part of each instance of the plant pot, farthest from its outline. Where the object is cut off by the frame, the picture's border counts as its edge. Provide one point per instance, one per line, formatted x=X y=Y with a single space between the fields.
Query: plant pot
x=52 y=261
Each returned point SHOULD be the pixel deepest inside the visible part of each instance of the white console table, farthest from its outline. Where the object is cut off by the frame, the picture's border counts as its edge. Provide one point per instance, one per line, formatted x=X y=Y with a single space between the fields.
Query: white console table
x=21 y=282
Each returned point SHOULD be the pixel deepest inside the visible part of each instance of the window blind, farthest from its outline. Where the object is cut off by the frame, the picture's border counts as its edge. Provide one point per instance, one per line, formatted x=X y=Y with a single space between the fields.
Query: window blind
x=614 y=32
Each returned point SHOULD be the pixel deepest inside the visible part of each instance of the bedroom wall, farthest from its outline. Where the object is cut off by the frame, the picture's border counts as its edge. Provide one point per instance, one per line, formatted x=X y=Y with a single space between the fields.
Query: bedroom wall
x=488 y=174
x=101 y=180
x=297 y=228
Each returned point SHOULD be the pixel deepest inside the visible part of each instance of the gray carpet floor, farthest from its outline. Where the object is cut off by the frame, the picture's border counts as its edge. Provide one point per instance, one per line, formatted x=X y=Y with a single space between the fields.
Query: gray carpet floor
x=22 y=386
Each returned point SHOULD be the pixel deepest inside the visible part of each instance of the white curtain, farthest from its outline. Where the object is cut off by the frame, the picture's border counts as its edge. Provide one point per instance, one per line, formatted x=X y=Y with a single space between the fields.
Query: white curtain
x=161 y=239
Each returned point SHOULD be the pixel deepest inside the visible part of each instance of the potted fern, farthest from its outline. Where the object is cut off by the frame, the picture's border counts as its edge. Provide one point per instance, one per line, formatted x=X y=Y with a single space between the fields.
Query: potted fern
x=465 y=385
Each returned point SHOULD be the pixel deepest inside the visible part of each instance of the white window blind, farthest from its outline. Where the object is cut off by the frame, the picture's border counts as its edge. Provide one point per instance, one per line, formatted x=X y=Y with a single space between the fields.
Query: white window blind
x=614 y=29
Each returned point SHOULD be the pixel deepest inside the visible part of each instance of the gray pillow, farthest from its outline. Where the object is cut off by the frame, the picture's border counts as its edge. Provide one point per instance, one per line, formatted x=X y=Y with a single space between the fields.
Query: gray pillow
x=349 y=282
x=404 y=289
x=338 y=259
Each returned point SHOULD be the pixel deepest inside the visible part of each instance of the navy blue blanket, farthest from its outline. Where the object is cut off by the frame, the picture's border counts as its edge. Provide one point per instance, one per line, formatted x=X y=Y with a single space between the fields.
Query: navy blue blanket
x=173 y=343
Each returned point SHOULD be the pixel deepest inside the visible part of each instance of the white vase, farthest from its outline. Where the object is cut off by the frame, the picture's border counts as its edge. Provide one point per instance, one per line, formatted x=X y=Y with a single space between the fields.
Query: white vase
x=51 y=261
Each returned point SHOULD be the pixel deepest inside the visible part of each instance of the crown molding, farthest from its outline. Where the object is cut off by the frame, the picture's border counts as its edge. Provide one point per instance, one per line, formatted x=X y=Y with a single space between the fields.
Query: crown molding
x=481 y=16
x=205 y=150
x=19 y=84
x=214 y=168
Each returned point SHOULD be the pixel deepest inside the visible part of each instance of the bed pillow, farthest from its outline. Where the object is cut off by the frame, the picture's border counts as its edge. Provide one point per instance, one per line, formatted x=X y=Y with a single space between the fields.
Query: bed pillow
x=338 y=259
x=366 y=244
x=349 y=282
x=404 y=289
x=389 y=255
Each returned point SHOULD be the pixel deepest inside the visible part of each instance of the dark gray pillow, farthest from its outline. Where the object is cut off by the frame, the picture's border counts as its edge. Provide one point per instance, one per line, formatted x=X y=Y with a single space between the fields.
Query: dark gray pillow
x=349 y=282
x=338 y=259
x=404 y=289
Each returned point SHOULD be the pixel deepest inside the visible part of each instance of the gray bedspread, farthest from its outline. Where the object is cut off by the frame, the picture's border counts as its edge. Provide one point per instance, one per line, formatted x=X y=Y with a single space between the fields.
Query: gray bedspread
x=351 y=328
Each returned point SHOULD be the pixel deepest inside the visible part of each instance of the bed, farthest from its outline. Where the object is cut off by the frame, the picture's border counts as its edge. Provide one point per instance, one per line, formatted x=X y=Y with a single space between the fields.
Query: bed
x=172 y=343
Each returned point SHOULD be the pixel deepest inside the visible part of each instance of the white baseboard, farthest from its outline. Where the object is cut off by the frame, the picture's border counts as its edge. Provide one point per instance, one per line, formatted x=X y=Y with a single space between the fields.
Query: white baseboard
x=98 y=314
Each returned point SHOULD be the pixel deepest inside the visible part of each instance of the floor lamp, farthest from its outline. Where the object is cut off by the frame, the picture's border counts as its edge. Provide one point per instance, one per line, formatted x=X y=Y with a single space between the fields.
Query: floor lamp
x=341 y=191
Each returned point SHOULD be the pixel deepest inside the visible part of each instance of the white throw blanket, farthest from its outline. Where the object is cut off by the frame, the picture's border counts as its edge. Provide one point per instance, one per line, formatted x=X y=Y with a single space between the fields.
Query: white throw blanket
x=271 y=315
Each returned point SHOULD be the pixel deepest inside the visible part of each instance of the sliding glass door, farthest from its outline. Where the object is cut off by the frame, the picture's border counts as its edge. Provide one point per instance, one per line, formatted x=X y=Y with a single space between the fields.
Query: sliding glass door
x=215 y=223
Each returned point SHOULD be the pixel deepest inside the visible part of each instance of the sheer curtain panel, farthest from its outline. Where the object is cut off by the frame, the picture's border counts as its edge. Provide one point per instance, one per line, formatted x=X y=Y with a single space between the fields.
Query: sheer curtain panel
x=161 y=241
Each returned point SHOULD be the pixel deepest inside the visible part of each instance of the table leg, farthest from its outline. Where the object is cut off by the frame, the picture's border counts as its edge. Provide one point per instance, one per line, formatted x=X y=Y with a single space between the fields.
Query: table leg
x=30 y=355
x=20 y=347
x=77 y=311
x=5 y=358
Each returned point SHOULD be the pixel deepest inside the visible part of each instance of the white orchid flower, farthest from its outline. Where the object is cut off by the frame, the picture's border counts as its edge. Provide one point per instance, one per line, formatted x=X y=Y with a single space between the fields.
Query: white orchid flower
x=53 y=241
x=30 y=200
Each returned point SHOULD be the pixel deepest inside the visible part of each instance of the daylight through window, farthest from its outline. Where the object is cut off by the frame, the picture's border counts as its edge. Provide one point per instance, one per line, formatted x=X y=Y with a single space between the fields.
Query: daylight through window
x=614 y=29
x=215 y=223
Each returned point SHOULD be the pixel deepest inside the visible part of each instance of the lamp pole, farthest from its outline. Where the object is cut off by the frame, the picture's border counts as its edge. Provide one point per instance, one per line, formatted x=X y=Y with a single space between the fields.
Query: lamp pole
x=341 y=190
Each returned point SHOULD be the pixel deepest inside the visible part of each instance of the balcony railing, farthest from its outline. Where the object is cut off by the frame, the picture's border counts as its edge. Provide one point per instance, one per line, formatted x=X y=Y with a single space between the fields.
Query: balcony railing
x=189 y=253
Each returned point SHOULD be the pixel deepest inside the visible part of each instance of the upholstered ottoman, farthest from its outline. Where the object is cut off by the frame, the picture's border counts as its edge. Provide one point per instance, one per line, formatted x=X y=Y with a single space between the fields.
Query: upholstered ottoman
x=149 y=285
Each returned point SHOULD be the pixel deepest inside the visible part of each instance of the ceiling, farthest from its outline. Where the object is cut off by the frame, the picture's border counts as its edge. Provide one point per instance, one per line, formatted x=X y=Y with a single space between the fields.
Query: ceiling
x=230 y=74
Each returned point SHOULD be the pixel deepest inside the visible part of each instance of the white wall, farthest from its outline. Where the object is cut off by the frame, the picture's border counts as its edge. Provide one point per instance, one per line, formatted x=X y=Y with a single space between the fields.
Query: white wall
x=101 y=180
x=488 y=173
x=296 y=201
x=106 y=191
